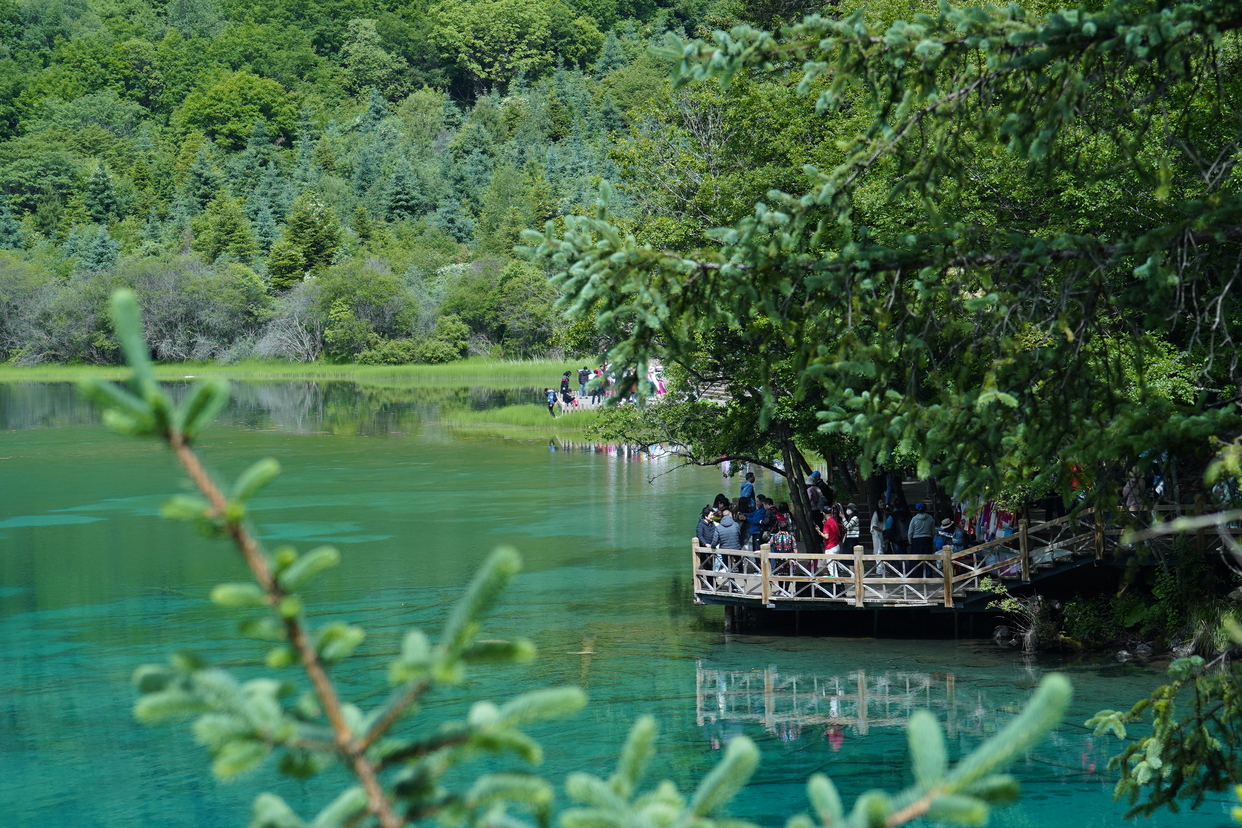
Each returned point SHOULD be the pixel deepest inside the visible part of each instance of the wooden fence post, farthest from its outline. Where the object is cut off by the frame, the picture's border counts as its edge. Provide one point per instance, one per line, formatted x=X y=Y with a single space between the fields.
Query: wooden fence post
x=1024 y=548
x=765 y=572
x=858 y=576
x=948 y=574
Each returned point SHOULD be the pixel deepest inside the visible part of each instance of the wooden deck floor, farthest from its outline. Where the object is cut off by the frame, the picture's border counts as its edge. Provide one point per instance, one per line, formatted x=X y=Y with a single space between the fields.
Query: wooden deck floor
x=859 y=578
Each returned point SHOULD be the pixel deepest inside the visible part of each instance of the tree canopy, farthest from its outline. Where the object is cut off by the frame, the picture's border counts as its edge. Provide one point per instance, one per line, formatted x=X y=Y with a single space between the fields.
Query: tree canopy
x=1016 y=229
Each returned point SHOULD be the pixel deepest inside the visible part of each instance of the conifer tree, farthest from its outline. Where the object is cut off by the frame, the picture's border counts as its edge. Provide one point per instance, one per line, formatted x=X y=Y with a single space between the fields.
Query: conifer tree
x=203 y=180
x=366 y=169
x=99 y=197
x=453 y=219
x=376 y=111
x=265 y=228
x=223 y=231
x=11 y=233
x=93 y=247
x=360 y=222
x=286 y=266
x=246 y=169
x=611 y=57
x=405 y=197
x=306 y=171
x=310 y=239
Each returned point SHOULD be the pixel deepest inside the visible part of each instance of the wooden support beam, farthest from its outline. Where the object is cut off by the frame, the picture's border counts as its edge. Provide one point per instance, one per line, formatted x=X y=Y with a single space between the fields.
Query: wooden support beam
x=1024 y=548
x=765 y=573
x=948 y=574
x=858 y=576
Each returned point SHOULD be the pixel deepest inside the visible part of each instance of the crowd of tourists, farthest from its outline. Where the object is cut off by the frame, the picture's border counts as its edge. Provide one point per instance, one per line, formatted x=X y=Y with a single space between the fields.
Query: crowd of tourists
x=750 y=520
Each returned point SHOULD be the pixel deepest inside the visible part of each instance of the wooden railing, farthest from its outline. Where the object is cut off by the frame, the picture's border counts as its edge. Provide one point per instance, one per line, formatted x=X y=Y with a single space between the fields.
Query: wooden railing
x=860 y=578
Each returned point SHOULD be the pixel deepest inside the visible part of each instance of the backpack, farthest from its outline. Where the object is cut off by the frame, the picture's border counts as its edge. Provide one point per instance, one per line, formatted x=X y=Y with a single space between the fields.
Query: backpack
x=782 y=543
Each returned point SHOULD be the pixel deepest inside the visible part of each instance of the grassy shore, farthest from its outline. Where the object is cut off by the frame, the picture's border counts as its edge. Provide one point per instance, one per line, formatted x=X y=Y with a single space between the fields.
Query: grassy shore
x=520 y=419
x=475 y=370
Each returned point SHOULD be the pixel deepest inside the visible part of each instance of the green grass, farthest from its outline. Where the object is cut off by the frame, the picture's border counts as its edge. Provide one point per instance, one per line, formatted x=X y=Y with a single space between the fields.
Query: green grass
x=475 y=370
x=526 y=418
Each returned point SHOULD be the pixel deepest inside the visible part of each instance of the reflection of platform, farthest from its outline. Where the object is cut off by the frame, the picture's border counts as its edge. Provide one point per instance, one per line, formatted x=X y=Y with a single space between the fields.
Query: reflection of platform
x=786 y=702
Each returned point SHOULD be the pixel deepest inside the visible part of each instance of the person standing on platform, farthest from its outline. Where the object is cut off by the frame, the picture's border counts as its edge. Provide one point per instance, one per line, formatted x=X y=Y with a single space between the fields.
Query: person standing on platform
x=831 y=533
x=878 y=517
x=584 y=376
x=816 y=499
x=565 y=386
x=706 y=531
x=755 y=520
x=922 y=530
x=852 y=528
x=747 y=492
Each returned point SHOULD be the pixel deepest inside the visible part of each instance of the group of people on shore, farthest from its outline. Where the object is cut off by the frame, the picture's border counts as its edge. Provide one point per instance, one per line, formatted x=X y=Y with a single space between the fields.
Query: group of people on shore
x=594 y=384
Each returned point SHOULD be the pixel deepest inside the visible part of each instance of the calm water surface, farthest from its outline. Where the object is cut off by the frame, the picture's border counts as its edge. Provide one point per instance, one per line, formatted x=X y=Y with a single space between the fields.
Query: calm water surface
x=93 y=583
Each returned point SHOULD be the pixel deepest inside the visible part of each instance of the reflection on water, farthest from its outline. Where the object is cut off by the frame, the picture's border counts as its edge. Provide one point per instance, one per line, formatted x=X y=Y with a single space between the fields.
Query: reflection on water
x=855 y=702
x=297 y=407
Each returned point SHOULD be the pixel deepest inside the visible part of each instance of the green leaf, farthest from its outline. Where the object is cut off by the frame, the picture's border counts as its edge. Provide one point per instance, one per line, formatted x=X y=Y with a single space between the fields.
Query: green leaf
x=727 y=778
x=253 y=479
x=520 y=651
x=167 y=704
x=309 y=565
x=998 y=789
x=871 y=809
x=927 y=750
x=270 y=811
x=1042 y=713
x=347 y=805
x=338 y=640
x=541 y=705
x=206 y=399
x=958 y=810
x=238 y=596
x=511 y=787
x=151 y=678
x=238 y=757
x=264 y=628
x=486 y=587
x=825 y=800
x=109 y=396
x=127 y=320
x=637 y=752
x=414 y=659
x=186 y=507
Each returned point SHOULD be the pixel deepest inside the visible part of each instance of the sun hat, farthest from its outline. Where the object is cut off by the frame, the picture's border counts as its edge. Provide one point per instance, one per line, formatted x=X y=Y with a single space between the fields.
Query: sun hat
x=946 y=523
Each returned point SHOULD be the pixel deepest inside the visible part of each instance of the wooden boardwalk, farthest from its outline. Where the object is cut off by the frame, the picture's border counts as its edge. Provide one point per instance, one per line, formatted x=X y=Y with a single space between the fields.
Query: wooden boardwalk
x=864 y=579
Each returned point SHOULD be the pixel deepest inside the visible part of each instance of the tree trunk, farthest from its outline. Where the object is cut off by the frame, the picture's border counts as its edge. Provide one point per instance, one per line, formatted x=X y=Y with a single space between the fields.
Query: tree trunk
x=794 y=465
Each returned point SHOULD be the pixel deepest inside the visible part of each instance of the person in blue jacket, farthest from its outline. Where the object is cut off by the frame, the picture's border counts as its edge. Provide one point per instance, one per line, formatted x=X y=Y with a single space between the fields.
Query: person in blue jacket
x=755 y=520
x=747 y=492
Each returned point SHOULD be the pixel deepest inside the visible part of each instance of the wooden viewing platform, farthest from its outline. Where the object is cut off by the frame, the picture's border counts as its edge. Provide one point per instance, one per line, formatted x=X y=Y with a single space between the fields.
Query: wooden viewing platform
x=945 y=579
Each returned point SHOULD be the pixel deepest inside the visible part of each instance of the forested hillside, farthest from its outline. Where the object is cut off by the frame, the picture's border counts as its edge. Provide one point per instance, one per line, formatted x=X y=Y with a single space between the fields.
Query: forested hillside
x=299 y=180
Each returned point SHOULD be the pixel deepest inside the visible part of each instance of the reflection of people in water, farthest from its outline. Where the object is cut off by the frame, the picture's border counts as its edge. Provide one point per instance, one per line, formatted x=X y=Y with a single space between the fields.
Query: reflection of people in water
x=836 y=736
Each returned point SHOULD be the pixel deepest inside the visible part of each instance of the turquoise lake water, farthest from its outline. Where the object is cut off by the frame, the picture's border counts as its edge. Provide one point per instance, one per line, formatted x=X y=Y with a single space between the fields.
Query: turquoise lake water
x=94 y=583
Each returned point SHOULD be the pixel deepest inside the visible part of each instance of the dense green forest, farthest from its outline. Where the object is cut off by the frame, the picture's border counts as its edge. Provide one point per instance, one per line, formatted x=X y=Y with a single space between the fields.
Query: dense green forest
x=308 y=180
